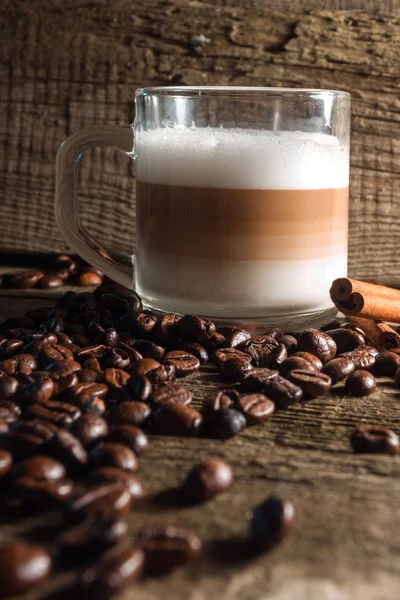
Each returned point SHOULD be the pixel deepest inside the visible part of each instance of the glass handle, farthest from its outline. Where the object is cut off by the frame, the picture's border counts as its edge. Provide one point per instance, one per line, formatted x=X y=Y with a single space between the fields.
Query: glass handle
x=117 y=265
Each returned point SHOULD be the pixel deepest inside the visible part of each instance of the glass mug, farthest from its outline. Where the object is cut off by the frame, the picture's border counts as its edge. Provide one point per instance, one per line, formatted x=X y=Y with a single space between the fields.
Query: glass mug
x=241 y=202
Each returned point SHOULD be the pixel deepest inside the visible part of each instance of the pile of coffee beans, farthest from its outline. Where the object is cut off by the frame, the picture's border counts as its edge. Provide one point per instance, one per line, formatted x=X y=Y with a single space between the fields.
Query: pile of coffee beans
x=84 y=382
x=63 y=269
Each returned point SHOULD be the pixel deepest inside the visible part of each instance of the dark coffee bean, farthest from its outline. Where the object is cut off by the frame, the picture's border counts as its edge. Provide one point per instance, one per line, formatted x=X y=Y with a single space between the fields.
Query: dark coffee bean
x=64 y=340
x=5 y=462
x=44 y=430
x=40 y=493
x=23 y=567
x=49 y=282
x=290 y=342
x=112 y=573
x=334 y=324
x=25 y=280
x=258 y=378
x=165 y=332
x=93 y=364
x=81 y=340
x=117 y=359
x=170 y=392
x=88 y=279
x=206 y=480
x=229 y=354
x=214 y=342
x=116 y=378
x=197 y=350
x=87 y=376
x=147 y=349
x=167 y=547
x=102 y=501
x=311 y=358
x=21 y=445
x=130 y=352
x=9 y=411
x=130 y=436
x=65 y=262
x=90 y=428
x=360 y=332
x=51 y=352
x=162 y=374
x=397 y=377
x=256 y=408
x=98 y=351
x=184 y=363
x=17 y=323
x=117 y=305
x=35 y=348
x=275 y=358
x=4 y=426
x=195 y=329
x=90 y=539
x=295 y=362
x=346 y=339
x=313 y=384
x=40 y=467
x=67 y=448
x=144 y=325
x=61 y=414
x=235 y=369
x=259 y=348
x=10 y=347
x=363 y=357
x=220 y=399
x=223 y=424
x=54 y=325
x=272 y=521
x=68 y=301
x=234 y=336
x=177 y=419
x=129 y=413
x=114 y=475
x=282 y=392
x=95 y=329
x=140 y=387
x=8 y=386
x=338 y=369
x=22 y=364
x=85 y=391
x=360 y=383
x=62 y=368
x=318 y=343
x=386 y=363
x=65 y=384
x=37 y=388
x=144 y=366
x=375 y=439
x=113 y=454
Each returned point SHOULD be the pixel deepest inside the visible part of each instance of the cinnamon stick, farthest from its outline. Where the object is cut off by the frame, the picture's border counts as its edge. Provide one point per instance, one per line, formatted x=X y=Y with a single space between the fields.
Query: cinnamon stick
x=379 y=334
x=368 y=300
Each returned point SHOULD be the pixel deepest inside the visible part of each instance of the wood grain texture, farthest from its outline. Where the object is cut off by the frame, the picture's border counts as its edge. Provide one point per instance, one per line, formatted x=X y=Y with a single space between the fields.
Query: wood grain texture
x=66 y=64
x=346 y=542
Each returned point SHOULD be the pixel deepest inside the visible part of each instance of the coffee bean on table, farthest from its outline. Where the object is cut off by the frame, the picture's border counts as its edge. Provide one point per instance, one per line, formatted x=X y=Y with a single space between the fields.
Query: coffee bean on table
x=8 y=386
x=230 y=354
x=260 y=348
x=290 y=342
x=114 y=454
x=116 y=378
x=363 y=357
x=115 y=475
x=311 y=358
x=295 y=362
x=162 y=374
x=147 y=349
x=220 y=399
x=166 y=548
x=129 y=413
x=111 y=574
x=313 y=384
x=40 y=493
x=338 y=369
x=184 y=363
x=23 y=567
x=206 y=480
x=90 y=428
x=21 y=364
x=318 y=343
x=195 y=329
x=256 y=408
x=61 y=414
x=25 y=280
x=62 y=385
x=272 y=521
x=10 y=347
x=144 y=366
x=387 y=363
x=258 y=378
x=177 y=419
x=9 y=411
x=130 y=436
x=5 y=462
x=360 y=383
x=223 y=424
x=86 y=541
x=107 y=500
x=68 y=449
x=234 y=336
x=234 y=370
x=140 y=387
x=21 y=445
x=170 y=392
x=197 y=350
x=40 y=467
x=48 y=282
x=346 y=339
x=375 y=439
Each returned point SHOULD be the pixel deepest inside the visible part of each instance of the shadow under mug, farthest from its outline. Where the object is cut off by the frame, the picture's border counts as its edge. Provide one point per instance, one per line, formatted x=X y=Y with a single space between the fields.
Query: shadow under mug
x=241 y=202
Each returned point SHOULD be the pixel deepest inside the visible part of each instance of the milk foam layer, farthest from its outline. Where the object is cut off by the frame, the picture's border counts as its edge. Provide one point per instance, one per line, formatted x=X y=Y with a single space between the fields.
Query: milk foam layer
x=241 y=159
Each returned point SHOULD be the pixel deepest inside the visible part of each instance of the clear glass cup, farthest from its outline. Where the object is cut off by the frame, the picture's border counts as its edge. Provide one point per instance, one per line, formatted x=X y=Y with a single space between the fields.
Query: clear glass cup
x=241 y=202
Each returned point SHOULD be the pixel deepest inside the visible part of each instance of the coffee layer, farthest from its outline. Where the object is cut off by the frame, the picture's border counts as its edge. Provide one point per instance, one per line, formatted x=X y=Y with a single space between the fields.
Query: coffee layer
x=239 y=224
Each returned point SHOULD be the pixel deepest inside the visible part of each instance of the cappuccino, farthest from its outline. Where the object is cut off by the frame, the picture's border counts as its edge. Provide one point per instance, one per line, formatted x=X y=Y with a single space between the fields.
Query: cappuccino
x=240 y=223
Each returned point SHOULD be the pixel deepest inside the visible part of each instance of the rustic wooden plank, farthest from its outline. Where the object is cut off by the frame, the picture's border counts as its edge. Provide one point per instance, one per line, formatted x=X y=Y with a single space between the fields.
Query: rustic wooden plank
x=67 y=64
x=346 y=541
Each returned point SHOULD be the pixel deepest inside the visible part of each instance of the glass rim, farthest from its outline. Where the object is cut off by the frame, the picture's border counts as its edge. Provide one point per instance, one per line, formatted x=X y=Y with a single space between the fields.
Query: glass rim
x=237 y=91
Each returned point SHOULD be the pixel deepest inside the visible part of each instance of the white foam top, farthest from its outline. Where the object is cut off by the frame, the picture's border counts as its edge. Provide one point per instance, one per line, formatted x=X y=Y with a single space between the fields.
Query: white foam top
x=241 y=158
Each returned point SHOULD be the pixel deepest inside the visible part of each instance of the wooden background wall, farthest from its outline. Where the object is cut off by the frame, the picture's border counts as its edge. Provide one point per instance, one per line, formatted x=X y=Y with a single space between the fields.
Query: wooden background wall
x=66 y=64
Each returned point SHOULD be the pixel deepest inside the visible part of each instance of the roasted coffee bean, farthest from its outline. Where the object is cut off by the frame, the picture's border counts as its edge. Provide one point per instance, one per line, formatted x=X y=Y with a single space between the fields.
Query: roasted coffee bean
x=62 y=368
x=165 y=332
x=282 y=392
x=23 y=567
x=130 y=436
x=223 y=424
x=81 y=340
x=170 y=392
x=40 y=467
x=21 y=445
x=4 y=427
x=177 y=419
x=37 y=427
x=36 y=388
x=220 y=399
x=53 y=325
x=290 y=343
x=98 y=351
x=87 y=279
x=130 y=352
x=272 y=521
x=90 y=539
x=195 y=329
x=162 y=374
x=147 y=349
x=144 y=325
x=109 y=337
x=113 y=454
x=68 y=449
x=313 y=384
x=256 y=408
x=10 y=347
x=257 y=379
x=21 y=364
x=65 y=262
x=129 y=413
x=206 y=480
x=93 y=364
x=197 y=350
x=65 y=340
x=259 y=348
x=275 y=358
x=230 y=354
x=36 y=348
x=234 y=336
x=214 y=342
x=116 y=305
x=360 y=383
x=8 y=386
x=144 y=366
x=40 y=493
x=360 y=332
x=338 y=369
x=295 y=362
x=397 y=377
x=65 y=384
x=116 y=378
x=184 y=363
x=117 y=359
x=49 y=282
x=87 y=376
x=234 y=370
x=115 y=475
x=61 y=414
x=5 y=462
x=83 y=392
x=140 y=387
x=25 y=280
x=51 y=352
x=9 y=411
x=375 y=439
x=90 y=428
x=167 y=547
x=111 y=574
x=363 y=357
x=318 y=343
x=334 y=324
x=386 y=363
x=346 y=339
x=103 y=501
x=311 y=358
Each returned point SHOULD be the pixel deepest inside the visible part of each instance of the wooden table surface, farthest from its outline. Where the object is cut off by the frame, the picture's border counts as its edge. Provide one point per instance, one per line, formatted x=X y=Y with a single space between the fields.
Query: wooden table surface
x=346 y=543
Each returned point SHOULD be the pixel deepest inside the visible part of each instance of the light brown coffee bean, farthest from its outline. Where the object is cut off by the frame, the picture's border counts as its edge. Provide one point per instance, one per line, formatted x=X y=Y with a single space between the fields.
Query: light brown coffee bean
x=144 y=366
